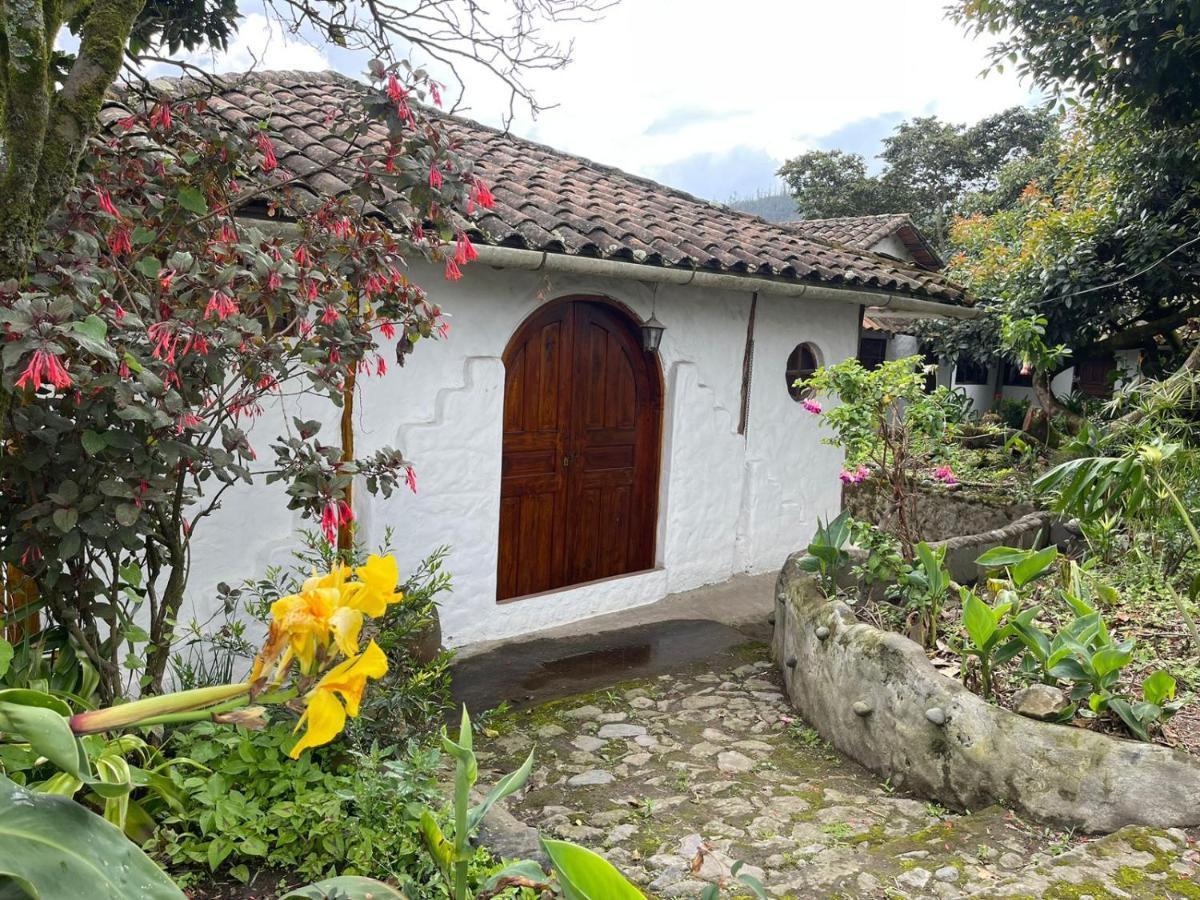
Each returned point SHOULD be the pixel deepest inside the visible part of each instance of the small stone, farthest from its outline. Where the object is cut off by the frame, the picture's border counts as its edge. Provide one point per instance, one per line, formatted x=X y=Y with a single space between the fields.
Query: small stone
x=947 y=873
x=550 y=731
x=1040 y=701
x=915 y=878
x=594 y=776
x=704 y=749
x=1011 y=861
x=583 y=712
x=703 y=701
x=713 y=736
x=862 y=708
x=732 y=761
x=620 y=834
x=612 y=717
x=587 y=743
x=936 y=715
x=620 y=730
x=822 y=633
x=637 y=759
x=642 y=703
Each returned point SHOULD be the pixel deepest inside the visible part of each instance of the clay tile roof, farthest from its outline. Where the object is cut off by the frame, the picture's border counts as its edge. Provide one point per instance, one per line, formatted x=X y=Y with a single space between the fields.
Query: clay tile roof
x=547 y=200
x=864 y=232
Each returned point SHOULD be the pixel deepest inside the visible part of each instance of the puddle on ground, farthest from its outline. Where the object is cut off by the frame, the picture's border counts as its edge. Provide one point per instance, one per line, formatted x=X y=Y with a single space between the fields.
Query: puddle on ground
x=535 y=671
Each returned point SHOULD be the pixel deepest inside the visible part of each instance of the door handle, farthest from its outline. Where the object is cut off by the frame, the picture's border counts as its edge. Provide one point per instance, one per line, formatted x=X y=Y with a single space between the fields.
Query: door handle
x=566 y=461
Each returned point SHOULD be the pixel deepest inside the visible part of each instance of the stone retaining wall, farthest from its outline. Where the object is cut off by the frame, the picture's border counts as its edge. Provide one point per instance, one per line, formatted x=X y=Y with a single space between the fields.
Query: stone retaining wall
x=875 y=696
x=941 y=513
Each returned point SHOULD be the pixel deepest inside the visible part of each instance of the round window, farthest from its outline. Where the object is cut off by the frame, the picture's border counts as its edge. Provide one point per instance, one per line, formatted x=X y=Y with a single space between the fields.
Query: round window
x=802 y=362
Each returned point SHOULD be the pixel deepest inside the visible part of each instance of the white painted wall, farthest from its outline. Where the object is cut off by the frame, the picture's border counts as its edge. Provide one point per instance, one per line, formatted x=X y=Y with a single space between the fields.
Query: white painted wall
x=728 y=503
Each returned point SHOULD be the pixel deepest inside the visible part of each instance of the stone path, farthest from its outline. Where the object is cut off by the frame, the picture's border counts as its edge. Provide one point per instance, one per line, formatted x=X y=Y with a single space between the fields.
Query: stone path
x=677 y=777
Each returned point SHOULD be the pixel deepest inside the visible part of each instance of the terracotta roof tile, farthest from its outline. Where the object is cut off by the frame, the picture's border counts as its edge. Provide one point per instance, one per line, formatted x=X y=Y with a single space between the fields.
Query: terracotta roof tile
x=552 y=201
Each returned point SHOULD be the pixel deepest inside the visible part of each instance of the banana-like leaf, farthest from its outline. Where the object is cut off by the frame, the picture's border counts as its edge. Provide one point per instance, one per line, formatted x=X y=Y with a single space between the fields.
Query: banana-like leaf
x=526 y=869
x=584 y=875
x=47 y=732
x=52 y=847
x=346 y=887
x=440 y=849
x=505 y=786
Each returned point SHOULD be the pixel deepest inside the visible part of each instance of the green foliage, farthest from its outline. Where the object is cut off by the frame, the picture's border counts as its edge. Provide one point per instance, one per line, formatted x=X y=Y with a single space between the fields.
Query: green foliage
x=324 y=814
x=345 y=887
x=989 y=633
x=52 y=847
x=826 y=555
x=923 y=587
x=1115 y=52
x=930 y=169
x=453 y=854
x=584 y=875
x=886 y=422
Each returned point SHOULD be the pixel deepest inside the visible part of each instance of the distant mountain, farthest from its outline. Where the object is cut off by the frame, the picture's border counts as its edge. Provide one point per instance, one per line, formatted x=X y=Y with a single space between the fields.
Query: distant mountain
x=776 y=206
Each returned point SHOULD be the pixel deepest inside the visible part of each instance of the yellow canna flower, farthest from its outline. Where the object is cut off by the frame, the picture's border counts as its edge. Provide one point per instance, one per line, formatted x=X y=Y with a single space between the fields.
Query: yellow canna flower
x=325 y=715
x=376 y=587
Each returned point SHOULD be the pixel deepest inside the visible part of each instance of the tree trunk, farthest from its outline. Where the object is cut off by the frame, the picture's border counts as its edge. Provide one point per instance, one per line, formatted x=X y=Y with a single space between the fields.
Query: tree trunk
x=162 y=630
x=1045 y=396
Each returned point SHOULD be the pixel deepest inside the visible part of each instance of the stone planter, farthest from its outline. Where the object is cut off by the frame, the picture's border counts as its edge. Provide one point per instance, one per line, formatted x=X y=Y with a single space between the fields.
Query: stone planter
x=875 y=696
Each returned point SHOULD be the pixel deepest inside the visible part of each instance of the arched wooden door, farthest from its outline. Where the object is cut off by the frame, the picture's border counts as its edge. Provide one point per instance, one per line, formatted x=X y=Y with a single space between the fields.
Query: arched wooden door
x=582 y=425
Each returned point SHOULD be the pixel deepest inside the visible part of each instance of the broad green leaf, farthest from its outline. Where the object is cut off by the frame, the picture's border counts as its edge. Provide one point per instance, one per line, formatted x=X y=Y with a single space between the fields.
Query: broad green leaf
x=6 y=655
x=47 y=733
x=505 y=786
x=526 y=869
x=440 y=849
x=192 y=200
x=93 y=442
x=1122 y=708
x=1033 y=566
x=148 y=266
x=350 y=887
x=584 y=875
x=979 y=620
x=1159 y=688
x=54 y=847
x=65 y=519
x=998 y=557
x=1110 y=659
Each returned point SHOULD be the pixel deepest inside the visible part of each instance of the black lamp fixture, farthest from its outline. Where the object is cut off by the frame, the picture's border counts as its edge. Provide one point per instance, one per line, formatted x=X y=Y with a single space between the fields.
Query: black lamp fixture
x=652 y=329
x=652 y=332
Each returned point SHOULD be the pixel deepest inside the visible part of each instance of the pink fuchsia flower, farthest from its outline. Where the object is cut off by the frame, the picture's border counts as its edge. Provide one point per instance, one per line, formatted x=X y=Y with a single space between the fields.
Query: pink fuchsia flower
x=861 y=474
x=453 y=272
x=410 y=478
x=435 y=91
x=479 y=195
x=387 y=329
x=161 y=117
x=44 y=368
x=813 y=406
x=435 y=176
x=104 y=199
x=335 y=514
x=118 y=240
x=221 y=305
x=945 y=475
x=846 y=477
x=269 y=162
x=464 y=251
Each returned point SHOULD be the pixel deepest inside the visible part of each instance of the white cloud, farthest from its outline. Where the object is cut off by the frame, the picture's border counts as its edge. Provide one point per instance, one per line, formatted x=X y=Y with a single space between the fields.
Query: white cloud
x=658 y=83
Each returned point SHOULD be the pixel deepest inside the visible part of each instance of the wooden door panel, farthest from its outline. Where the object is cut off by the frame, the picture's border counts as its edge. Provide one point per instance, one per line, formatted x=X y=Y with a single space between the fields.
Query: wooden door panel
x=532 y=475
x=582 y=410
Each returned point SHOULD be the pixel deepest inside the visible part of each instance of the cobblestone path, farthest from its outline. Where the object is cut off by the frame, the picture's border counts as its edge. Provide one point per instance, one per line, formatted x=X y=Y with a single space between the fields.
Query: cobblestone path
x=677 y=777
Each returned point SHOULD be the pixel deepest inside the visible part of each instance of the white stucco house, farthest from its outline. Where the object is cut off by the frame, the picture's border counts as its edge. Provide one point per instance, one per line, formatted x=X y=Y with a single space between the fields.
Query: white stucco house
x=571 y=471
x=886 y=332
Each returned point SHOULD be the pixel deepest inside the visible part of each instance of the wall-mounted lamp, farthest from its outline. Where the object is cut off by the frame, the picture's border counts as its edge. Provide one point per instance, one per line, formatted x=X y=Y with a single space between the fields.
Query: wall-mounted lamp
x=652 y=332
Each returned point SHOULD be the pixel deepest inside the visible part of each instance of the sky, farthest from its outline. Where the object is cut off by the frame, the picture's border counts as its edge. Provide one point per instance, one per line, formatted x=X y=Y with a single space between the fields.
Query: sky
x=712 y=97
